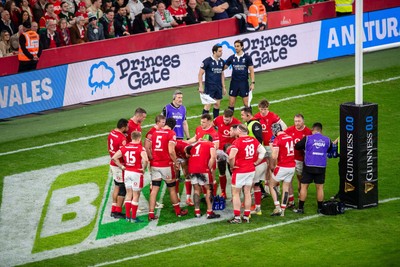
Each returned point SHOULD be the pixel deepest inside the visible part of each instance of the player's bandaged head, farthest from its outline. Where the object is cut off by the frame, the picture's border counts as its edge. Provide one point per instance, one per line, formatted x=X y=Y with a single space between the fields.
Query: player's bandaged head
x=242 y=129
x=276 y=128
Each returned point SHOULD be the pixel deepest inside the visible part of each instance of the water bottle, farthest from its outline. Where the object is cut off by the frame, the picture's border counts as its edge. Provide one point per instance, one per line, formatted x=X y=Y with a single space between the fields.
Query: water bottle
x=216 y=203
x=335 y=151
x=222 y=203
x=329 y=153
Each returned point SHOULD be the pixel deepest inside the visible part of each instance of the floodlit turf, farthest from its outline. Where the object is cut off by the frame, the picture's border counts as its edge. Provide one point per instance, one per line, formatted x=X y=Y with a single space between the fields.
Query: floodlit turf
x=357 y=238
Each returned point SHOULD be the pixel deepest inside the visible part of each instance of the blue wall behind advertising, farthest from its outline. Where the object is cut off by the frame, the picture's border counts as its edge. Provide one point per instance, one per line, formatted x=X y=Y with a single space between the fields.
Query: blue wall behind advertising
x=32 y=92
x=338 y=35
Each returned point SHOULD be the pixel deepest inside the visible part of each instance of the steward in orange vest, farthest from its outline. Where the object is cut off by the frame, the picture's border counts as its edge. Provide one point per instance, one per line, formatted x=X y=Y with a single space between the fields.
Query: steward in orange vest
x=29 y=49
x=257 y=16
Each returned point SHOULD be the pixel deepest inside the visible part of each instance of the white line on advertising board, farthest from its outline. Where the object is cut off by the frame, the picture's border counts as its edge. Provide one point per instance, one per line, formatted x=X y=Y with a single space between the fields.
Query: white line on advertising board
x=198 y=116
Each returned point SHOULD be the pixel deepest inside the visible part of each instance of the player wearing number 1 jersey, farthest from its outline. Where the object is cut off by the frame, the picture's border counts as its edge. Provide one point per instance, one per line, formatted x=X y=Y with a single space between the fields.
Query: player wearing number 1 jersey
x=245 y=153
x=282 y=165
x=135 y=162
x=115 y=140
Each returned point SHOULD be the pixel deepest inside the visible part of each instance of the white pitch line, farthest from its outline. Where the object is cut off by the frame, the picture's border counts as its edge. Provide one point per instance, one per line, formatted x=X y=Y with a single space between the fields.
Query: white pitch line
x=220 y=238
x=198 y=116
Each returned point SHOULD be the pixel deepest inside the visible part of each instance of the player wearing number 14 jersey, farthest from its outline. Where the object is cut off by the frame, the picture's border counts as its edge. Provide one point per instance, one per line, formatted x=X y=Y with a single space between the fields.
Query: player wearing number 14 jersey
x=283 y=166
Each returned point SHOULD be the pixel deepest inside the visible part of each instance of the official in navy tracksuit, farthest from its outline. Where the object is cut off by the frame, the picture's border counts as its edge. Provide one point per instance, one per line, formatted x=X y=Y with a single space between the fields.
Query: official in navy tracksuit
x=316 y=147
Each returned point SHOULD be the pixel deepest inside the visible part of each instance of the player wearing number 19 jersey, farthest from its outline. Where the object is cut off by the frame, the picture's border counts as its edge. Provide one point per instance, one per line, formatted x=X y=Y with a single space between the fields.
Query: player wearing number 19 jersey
x=115 y=140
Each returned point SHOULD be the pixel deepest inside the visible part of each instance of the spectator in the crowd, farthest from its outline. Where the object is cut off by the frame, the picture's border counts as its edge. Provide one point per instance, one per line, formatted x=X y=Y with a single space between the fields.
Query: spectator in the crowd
x=95 y=8
x=163 y=18
x=205 y=9
x=95 y=30
x=27 y=8
x=193 y=13
x=14 y=39
x=5 y=44
x=178 y=13
x=57 y=6
x=15 y=12
x=78 y=31
x=35 y=26
x=72 y=5
x=108 y=24
x=122 y=23
x=219 y=7
x=235 y=7
x=151 y=4
x=107 y=4
x=63 y=32
x=82 y=12
x=47 y=16
x=6 y=23
x=70 y=17
x=118 y=4
x=144 y=22
x=39 y=9
x=24 y=17
x=50 y=38
x=135 y=7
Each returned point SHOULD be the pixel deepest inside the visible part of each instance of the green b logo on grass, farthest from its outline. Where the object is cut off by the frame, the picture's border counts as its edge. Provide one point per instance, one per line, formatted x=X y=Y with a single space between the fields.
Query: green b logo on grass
x=71 y=209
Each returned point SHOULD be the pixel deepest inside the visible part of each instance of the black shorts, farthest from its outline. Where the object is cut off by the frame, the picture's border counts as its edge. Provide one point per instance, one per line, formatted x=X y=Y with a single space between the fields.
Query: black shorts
x=239 y=88
x=215 y=93
x=313 y=177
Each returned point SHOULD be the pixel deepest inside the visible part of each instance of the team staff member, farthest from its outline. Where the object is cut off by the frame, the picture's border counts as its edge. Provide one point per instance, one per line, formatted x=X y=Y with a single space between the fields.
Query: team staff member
x=117 y=139
x=297 y=131
x=163 y=166
x=242 y=65
x=29 y=48
x=283 y=166
x=253 y=125
x=135 y=122
x=177 y=110
x=214 y=82
x=224 y=123
x=202 y=157
x=135 y=162
x=244 y=154
x=315 y=148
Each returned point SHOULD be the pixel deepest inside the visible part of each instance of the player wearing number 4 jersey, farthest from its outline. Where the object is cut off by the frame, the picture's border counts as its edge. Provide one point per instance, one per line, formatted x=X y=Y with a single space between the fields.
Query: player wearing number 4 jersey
x=163 y=166
x=115 y=140
x=283 y=166
x=135 y=162
x=244 y=154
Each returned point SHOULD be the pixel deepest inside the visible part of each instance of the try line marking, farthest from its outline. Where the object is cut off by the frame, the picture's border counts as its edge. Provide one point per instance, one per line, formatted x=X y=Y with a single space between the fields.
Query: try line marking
x=221 y=237
x=198 y=116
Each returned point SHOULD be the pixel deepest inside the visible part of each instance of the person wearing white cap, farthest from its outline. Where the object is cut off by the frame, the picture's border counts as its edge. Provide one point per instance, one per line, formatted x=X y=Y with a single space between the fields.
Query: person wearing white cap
x=94 y=29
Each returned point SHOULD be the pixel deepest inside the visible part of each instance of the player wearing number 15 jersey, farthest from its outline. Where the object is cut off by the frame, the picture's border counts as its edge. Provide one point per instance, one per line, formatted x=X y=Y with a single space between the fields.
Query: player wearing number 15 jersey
x=245 y=153
x=115 y=140
x=135 y=161
x=282 y=165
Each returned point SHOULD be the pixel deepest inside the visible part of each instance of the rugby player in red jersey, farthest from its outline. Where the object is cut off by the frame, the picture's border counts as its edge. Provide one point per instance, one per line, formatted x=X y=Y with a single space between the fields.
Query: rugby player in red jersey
x=283 y=166
x=244 y=154
x=297 y=131
x=163 y=165
x=135 y=122
x=115 y=140
x=134 y=163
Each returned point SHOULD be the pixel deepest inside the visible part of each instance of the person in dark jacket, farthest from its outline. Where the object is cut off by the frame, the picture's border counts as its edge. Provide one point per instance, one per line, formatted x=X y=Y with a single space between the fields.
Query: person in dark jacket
x=144 y=22
x=50 y=38
x=194 y=15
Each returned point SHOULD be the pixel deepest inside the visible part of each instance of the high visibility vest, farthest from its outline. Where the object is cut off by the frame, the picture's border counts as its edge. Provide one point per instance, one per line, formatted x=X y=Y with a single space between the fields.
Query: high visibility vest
x=344 y=6
x=257 y=15
x=31 y=44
